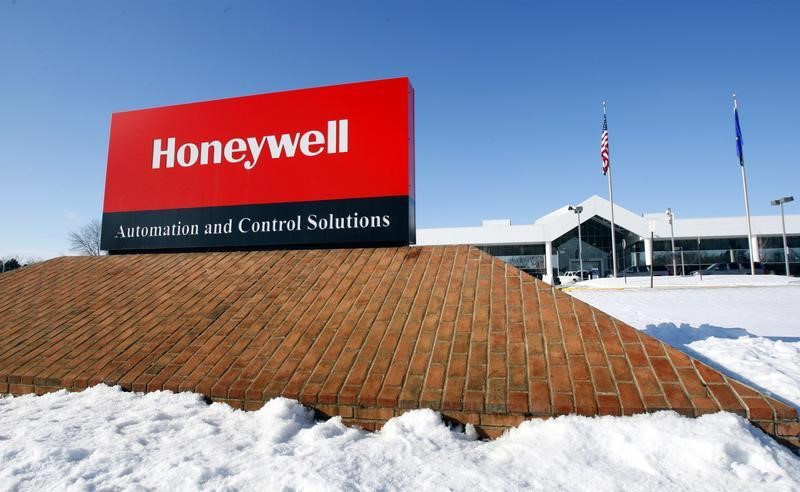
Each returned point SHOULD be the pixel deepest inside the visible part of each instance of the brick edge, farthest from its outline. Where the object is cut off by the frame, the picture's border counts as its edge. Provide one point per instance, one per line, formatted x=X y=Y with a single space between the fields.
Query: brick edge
x=785 y=431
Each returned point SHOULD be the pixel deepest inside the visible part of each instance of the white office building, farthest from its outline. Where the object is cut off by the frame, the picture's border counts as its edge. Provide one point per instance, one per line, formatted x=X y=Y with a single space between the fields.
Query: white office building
x=550 y=244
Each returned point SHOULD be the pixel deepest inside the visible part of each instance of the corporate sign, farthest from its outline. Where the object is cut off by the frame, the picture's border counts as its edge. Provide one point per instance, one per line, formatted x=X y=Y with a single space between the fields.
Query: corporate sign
x=324 y=166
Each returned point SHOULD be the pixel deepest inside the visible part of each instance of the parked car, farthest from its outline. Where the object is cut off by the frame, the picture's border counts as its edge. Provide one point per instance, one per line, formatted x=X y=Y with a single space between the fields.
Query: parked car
x=730 y=269
x=635 y=271
x=571 y=277
x=660 y=271
x=644 y=271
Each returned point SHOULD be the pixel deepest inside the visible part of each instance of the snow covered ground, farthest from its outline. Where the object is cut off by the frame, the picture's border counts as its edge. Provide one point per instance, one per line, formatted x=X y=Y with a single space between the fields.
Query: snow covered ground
x=691 y=281
x=748 y=327
x=105 y=438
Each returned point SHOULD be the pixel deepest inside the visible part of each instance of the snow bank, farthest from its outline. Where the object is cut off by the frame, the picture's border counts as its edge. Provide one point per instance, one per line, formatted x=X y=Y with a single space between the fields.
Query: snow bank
x=718 y=326
x=765 y=311
x=105 y=438
x=687 y=282
x=770 y=365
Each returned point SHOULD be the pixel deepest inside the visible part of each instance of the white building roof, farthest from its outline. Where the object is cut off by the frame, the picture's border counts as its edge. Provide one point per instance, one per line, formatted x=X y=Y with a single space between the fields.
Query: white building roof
x=563 y=220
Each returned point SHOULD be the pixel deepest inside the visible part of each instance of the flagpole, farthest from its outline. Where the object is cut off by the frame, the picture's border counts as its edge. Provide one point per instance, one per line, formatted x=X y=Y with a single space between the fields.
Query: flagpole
x=611 y=199
x=744 y=188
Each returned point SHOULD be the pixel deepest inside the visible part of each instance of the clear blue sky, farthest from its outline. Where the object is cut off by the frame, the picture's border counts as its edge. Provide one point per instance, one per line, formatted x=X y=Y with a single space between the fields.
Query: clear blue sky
x=508 y=97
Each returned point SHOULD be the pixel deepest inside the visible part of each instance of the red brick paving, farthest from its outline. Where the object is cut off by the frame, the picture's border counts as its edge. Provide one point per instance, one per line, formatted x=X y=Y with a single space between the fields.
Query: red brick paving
x=360 y=333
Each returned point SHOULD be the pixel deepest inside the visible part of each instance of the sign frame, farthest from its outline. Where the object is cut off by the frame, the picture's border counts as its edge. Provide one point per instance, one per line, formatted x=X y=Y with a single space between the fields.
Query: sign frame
x=335 y=169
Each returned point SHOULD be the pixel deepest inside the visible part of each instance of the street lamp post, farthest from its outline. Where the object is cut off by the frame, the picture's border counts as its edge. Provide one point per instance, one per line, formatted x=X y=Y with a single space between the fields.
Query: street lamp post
x=781 y=201
x=670 y=216
x=578 y=211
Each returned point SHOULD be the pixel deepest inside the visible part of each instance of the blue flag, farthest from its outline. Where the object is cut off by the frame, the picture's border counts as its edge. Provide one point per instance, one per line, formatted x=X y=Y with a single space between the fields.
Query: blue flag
x=738 y=134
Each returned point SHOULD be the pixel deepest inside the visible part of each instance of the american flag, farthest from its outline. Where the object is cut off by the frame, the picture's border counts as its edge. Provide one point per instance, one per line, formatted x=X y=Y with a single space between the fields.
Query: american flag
x=604 y=146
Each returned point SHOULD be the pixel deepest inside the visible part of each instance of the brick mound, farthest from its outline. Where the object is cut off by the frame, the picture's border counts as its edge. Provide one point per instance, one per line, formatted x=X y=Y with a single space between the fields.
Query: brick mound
x=361 y=333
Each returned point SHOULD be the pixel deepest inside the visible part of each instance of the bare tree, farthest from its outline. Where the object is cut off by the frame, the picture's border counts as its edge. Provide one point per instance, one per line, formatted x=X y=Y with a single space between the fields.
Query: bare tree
x=86 y=240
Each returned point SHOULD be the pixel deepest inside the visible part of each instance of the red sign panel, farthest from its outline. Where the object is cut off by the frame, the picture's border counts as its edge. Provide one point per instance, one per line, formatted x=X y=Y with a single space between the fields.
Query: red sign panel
x=327 y=152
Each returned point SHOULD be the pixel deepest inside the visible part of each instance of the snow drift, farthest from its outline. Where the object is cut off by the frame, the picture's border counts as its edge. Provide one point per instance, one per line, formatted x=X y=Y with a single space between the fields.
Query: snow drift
x=105 y=438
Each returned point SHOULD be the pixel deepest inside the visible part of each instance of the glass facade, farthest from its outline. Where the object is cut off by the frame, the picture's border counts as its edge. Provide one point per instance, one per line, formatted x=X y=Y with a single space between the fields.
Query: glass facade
x=596 y=246
x=527 y=257
x=772 y=257
x=690 y=254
